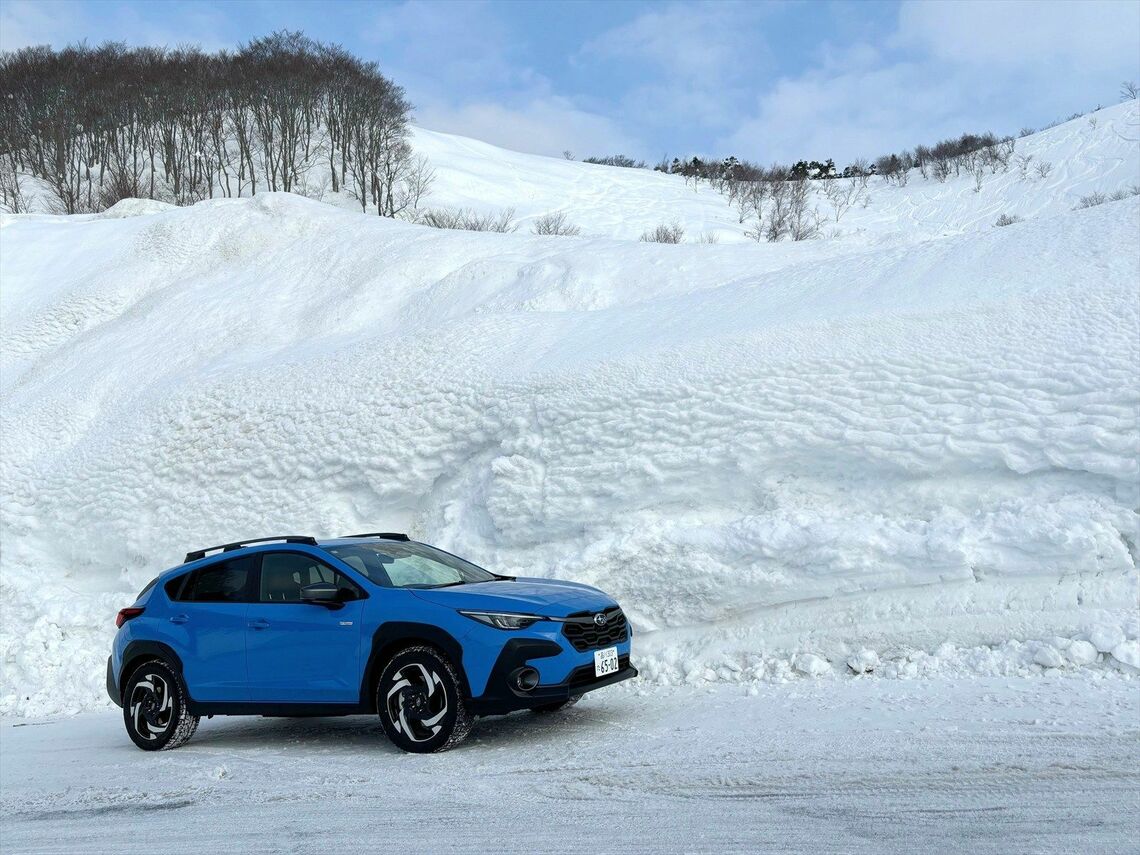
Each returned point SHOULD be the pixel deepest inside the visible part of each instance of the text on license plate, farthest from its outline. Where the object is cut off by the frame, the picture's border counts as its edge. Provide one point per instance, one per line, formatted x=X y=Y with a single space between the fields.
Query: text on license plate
x=605 y=662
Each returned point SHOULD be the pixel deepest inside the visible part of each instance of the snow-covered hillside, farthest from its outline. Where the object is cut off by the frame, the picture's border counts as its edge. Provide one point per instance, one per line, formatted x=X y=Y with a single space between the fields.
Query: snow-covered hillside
x=917 y=442
x=1094 y=153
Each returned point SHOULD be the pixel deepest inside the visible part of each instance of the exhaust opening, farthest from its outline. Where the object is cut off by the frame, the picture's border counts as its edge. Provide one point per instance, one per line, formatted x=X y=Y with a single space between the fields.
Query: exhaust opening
x=526 y=679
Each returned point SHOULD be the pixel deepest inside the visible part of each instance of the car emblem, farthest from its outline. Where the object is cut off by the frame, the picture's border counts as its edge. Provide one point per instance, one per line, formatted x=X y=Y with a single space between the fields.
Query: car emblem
x=599 y=619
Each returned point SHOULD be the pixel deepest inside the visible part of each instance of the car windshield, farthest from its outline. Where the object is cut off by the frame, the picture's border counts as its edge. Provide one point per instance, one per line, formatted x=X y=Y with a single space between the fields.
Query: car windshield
x=409 y=565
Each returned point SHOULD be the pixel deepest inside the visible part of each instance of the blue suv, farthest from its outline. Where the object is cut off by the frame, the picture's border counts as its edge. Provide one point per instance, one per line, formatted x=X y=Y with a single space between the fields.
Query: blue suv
x=372 y=623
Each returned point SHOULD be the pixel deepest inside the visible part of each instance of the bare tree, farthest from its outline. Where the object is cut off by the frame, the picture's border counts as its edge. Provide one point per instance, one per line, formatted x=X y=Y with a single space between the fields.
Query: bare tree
x=1129 y=90
x=779 y=211
x=414 y=185
x=803 y=221
x=749 y=197
x=843 y=193
x=12 y=195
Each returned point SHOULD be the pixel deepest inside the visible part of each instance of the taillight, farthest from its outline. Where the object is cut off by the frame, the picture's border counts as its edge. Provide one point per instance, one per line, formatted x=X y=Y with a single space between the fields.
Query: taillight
x=125 y=615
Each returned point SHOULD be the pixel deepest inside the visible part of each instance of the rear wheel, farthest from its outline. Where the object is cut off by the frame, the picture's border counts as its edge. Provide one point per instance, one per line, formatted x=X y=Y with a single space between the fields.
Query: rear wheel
x=154 y=708
x=558 y=705
x=420 y=703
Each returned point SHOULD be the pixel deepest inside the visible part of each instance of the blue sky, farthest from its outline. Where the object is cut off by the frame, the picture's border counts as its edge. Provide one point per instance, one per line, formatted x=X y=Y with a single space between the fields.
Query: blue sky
x=763 y=80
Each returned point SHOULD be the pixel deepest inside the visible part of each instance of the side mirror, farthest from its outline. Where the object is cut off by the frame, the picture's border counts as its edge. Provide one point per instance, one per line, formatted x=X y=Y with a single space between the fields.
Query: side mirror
x=321 y=594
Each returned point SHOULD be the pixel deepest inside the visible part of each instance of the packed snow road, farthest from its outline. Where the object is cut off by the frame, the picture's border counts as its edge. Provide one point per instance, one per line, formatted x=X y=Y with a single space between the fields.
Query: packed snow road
x=1046 y=764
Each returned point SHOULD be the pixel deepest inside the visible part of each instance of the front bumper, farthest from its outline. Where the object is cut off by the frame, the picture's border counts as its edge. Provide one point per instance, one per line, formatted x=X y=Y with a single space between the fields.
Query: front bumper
x=502 y=696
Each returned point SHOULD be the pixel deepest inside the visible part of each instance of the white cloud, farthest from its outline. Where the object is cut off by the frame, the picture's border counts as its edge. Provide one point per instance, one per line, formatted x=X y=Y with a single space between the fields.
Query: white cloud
x=24 y=23
x=540 y=125
x=459 y=70
x=1091 y=34
x=697 y=60
x=700 y=44
x=948 y=68
x=57 y=23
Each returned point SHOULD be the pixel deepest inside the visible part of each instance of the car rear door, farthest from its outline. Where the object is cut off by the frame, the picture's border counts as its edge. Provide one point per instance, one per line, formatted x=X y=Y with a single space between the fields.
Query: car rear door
x=208 y=627
x=302 y=652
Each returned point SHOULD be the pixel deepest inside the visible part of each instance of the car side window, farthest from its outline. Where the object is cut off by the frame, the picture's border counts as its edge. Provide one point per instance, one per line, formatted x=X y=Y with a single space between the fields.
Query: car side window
x=225 y=582
x=284 y=574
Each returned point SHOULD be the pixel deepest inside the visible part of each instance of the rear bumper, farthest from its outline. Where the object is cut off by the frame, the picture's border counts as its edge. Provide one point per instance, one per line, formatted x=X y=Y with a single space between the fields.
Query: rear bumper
x=503 y=696
x=112 y=686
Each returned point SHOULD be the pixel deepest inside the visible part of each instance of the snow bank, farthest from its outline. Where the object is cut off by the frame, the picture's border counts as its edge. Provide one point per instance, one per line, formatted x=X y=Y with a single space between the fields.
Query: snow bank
x=925 y=452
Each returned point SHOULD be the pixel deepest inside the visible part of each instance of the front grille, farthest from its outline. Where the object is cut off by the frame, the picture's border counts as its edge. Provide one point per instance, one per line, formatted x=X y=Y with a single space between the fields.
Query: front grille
x=585 y=635
x=584 y=675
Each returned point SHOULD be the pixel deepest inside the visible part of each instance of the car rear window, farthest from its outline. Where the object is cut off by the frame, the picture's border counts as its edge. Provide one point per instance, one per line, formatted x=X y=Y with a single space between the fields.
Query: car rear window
x=224 y=582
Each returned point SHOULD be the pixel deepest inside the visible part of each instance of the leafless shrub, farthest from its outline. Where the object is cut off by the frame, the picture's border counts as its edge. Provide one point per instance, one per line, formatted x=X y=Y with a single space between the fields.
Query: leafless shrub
x=567 y=154
x=616 y=160
x=555 y=223
x=1124 y=193
x=465 y=219
x=1022 y=162
x=119 y=184
x=1129 y=90
x=1044 y=167
x=1007 y=220
x=1025 y=132
x=1091 y=200
x=1092 y=122
x=674 y=233
x=708 y=237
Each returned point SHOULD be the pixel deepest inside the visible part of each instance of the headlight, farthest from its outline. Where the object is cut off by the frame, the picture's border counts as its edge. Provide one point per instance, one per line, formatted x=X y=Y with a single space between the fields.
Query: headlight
x=502 y=620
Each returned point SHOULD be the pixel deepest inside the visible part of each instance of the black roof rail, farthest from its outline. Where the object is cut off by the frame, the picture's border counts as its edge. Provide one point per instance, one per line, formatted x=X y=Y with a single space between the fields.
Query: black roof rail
x=383 y=535
x=230 y=547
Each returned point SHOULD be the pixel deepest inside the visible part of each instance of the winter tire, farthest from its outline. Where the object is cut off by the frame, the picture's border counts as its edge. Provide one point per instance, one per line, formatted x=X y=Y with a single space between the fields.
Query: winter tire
x=154 y=708
x=420 y=702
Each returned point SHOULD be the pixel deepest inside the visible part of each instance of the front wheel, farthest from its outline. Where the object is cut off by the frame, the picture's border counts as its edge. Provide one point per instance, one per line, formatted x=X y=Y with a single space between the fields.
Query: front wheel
x=154 y=708
x=420 y=703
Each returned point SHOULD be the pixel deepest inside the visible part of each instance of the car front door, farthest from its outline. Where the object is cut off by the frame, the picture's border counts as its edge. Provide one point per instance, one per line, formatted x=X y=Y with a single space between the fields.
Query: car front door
x=208 y=628
x=301 y=652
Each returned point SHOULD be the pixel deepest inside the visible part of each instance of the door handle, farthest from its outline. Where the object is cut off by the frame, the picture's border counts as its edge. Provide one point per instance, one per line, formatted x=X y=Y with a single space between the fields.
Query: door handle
x=180 y=618
x=260 y=623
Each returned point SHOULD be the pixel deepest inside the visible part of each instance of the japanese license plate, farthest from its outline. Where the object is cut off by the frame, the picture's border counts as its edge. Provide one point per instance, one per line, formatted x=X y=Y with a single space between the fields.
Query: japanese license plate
x=605 y=662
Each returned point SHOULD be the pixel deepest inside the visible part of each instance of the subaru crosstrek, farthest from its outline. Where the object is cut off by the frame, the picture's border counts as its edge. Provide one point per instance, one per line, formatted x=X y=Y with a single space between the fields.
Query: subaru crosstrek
x=373 y=623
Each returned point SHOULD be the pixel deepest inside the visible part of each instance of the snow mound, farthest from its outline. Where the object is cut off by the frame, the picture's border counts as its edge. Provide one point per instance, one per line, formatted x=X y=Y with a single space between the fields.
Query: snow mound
x=136 y=208
x=922 y=458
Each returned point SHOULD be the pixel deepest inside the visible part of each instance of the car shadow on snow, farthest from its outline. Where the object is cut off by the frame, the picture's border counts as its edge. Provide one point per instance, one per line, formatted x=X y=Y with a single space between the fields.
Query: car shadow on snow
x=364 y=732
